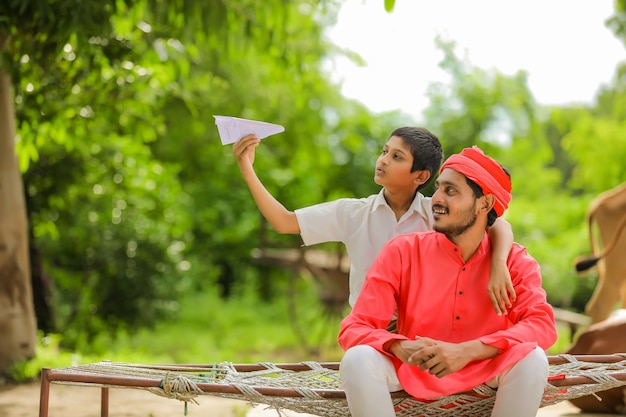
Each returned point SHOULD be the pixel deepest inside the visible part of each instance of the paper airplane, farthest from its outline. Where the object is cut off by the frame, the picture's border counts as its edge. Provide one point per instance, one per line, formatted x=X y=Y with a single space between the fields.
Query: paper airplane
x=231 y=129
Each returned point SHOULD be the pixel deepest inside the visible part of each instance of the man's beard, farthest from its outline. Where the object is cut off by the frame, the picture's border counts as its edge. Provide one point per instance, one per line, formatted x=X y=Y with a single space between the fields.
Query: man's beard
x=454 y=230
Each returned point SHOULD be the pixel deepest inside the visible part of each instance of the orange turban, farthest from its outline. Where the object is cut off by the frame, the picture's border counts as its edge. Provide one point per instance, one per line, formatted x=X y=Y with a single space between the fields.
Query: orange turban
x=484 y=171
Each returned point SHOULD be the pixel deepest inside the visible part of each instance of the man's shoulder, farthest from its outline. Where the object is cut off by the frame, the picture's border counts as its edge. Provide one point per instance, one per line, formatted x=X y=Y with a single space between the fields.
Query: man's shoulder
x=519 y=249
x=519 y=255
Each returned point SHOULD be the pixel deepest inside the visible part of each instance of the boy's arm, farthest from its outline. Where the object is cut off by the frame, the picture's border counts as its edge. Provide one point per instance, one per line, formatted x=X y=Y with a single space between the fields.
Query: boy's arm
x=500 y=287
x=281 y=219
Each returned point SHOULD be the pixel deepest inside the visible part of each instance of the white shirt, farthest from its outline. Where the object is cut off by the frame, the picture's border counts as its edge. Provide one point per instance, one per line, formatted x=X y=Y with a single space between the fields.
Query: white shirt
x=363 y=225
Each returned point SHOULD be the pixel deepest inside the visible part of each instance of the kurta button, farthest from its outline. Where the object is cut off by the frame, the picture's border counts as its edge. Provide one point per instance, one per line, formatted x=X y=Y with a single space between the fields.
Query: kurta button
x=461 y=292
x=458 y=317
x=463 y=269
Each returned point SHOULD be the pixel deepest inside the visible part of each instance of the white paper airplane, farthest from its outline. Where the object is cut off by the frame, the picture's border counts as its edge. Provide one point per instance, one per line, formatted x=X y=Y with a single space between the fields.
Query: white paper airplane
x=231 y=129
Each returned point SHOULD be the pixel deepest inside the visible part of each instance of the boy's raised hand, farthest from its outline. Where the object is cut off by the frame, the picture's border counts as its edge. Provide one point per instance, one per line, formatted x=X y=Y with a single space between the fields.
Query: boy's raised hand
x=244 y=149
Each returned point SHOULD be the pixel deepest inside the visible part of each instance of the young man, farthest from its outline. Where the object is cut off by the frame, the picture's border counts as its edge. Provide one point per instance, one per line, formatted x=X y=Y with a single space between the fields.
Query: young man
x=409 y=161
x=448 y=338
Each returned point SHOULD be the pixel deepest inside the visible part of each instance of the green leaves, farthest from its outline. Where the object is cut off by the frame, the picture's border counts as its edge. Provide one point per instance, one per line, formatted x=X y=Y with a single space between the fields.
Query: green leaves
x=389 y=5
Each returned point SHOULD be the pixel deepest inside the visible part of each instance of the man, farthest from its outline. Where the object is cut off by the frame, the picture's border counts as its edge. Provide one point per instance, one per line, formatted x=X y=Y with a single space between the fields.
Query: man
x=449 y=338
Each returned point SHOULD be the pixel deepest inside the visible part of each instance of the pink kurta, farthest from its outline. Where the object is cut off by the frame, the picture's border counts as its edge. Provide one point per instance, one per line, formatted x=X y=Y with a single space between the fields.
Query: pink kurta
x=437 y=295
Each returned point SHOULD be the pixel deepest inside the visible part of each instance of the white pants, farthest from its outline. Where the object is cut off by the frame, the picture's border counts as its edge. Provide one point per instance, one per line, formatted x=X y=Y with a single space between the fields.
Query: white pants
x=368 y=377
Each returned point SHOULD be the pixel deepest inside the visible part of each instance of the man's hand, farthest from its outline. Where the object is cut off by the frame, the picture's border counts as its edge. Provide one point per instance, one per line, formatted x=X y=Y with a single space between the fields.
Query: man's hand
x=404 y=349
x=500 y=289
x=440 y=358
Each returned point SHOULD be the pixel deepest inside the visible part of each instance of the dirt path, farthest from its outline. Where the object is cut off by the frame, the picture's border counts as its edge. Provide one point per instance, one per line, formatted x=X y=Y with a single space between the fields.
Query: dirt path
x=72 y=401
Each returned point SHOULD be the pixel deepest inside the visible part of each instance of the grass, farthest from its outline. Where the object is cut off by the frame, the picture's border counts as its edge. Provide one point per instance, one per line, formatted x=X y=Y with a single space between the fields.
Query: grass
x=209 y=329
x=206 y=330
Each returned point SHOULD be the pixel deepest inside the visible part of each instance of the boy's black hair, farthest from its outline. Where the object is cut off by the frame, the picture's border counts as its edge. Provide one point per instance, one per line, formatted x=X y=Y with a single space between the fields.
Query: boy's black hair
x=425 y=148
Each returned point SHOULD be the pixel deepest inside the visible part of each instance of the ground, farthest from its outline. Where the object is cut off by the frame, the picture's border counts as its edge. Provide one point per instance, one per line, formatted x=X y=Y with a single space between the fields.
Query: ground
x=71 y=401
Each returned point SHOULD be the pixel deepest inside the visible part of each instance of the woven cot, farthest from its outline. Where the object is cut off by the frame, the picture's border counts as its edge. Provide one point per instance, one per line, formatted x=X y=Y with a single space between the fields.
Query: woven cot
x=314 y=387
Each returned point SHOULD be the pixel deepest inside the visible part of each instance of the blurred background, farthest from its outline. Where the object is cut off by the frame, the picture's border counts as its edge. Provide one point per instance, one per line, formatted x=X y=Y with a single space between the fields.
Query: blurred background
x=127 y=223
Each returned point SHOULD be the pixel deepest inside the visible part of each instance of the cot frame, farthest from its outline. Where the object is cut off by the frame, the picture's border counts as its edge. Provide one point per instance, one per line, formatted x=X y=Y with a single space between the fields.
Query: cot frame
x=106 y=382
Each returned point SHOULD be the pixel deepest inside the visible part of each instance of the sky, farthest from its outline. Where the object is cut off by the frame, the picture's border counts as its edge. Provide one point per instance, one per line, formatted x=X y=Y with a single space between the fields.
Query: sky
x=563 y=45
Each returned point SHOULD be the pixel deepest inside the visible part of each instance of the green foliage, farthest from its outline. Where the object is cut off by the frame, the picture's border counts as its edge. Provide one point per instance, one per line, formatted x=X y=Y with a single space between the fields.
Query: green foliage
x=477 y=107
x=555 y=238
x=104 y=212
x=389 y=5
x=595 y=140
x=617 y=22
x=49 y=354
x=115 y=247
x=210 y=329
x=36 y=31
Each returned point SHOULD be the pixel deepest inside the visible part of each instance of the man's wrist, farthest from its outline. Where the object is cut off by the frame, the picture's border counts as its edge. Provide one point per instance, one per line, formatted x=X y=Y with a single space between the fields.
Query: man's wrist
x=389 y=345
x=479 y=350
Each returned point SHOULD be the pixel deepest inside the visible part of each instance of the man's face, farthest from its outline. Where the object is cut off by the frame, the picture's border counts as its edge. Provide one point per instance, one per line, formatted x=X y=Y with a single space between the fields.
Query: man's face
x=453 y=204
x=393 y=166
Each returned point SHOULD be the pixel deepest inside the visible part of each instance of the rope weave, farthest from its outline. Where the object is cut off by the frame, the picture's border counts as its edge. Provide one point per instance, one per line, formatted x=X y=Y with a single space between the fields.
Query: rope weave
x=306 y=388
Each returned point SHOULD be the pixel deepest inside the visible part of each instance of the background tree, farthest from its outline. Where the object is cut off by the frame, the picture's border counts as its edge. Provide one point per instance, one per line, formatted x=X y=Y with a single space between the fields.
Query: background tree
x=16 y=306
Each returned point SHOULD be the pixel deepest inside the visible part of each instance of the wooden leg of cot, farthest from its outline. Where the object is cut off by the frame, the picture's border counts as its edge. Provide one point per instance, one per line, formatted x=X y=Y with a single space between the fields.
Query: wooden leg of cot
x=104 y=402
x=44 y=393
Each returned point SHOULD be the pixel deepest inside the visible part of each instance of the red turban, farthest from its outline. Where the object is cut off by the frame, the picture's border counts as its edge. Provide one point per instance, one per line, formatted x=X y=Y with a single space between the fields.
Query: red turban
x=484 y=171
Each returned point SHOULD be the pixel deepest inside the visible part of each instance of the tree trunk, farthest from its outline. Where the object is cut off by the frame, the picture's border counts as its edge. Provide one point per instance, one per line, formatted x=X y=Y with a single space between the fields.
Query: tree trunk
x=18 y=326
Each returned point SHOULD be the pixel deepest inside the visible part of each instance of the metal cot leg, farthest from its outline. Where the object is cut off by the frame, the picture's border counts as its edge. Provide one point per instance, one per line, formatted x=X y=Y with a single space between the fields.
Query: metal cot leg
x=104 y=402
x=44 y=393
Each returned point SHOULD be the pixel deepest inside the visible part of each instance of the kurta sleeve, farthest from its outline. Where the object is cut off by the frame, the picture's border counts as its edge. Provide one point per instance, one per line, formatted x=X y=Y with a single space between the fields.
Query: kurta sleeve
x=377 y=303
x=531 y=318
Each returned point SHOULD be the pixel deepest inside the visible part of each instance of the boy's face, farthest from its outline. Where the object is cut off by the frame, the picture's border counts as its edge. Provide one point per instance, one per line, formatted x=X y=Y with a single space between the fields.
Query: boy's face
x=393 y=166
